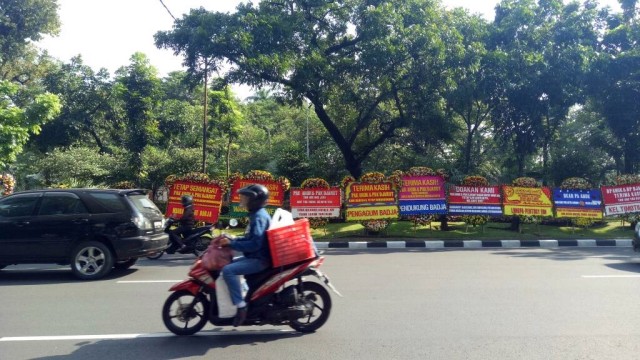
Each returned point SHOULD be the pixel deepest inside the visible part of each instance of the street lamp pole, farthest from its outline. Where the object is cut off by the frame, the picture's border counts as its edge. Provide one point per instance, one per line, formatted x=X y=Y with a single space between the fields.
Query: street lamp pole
x=307 y=133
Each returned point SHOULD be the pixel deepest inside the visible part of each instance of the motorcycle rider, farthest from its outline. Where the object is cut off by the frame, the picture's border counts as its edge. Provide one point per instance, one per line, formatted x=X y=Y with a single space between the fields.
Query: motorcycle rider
x=187 y=221
x=253 y=244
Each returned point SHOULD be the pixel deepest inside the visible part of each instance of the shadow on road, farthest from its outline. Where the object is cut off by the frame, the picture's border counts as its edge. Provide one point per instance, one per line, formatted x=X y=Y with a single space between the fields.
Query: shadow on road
x=633 y=266
x=42 y=275
x=170 y=347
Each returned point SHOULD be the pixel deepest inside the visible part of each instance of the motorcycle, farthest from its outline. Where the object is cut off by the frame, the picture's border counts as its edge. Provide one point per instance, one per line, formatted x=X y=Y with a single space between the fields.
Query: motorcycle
x=196 y=243
x=276 y=296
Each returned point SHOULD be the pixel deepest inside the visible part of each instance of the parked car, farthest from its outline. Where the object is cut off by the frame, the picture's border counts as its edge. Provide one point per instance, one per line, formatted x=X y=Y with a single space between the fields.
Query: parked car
x=93 y=230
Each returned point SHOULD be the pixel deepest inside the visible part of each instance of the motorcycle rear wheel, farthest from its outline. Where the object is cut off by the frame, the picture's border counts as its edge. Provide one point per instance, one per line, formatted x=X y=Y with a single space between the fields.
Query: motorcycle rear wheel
x=200 y=245
x=156 y=256
x=185 y=314
x=317 y=297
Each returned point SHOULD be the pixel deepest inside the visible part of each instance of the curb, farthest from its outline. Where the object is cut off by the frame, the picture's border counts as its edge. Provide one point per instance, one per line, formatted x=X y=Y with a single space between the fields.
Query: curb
x=473 y=244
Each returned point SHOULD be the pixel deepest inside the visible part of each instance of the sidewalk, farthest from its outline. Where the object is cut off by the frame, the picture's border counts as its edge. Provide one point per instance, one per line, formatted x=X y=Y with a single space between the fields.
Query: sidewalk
x=470 y=244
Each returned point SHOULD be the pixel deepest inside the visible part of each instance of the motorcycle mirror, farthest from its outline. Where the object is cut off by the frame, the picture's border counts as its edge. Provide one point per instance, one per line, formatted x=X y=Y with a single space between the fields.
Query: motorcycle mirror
x=233 y=222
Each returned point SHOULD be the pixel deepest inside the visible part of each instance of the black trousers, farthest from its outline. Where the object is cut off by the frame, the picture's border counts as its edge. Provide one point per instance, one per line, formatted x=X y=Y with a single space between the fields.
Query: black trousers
x=178 y=235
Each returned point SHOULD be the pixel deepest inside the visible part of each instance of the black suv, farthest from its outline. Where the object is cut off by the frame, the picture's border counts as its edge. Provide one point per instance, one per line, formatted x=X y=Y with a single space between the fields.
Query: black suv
x=93 y=230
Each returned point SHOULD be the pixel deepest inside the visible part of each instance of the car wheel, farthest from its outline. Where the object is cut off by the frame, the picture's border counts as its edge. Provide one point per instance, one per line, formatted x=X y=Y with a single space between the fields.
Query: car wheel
x=123 y=265
x=91 y=260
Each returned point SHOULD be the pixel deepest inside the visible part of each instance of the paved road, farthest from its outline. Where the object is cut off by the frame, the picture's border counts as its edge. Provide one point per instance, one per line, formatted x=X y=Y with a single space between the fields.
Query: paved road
x=567 y=303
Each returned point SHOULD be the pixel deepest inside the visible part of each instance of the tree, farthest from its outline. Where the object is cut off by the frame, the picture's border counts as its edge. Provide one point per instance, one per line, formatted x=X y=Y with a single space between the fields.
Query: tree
x=24 y=105
x=226 y=121
x=544 y=49
x=368 y=68
x=614 y=83
x=18 y=123
x=138 y=87
x=474 y=94
x=23 y=21
x=86 y=97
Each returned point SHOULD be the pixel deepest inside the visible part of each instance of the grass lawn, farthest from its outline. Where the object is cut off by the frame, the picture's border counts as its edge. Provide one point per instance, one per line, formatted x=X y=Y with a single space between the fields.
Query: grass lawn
x=613 y=229
x=399 y=230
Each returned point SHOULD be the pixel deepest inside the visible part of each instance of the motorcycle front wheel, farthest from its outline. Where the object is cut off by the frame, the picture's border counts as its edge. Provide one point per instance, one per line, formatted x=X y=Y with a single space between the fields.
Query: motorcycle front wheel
x=318 y=303
x=185 y=314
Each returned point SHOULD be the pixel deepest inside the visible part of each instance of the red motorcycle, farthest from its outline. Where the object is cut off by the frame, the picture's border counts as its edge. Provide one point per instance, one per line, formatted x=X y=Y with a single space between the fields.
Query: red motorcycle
x=277 y=296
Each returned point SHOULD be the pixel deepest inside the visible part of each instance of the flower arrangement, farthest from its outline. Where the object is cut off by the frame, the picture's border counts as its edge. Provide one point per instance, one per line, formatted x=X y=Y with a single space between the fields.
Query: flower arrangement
x=373 y=178
x=315 y=183
x=443 y=174
x=475 y=220
x=421 y=220
x=627 y=179
x=526 y=182
x=196 y=177
x=475 y=181
x=259 y=175
x=124 y=185
x=420 y=171
x=396 y=179
x=262 y=175
x=233 y=178
x=346 y=181
x=286 y=184
x=575 y=183
x=578 y=184
x=7 y=184
x=375 y=226
x=315 y=223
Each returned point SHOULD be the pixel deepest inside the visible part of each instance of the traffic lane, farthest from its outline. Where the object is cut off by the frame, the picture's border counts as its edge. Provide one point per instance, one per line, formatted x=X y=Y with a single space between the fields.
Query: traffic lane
x=407 y=304
x=44 y=300
x=481 y=302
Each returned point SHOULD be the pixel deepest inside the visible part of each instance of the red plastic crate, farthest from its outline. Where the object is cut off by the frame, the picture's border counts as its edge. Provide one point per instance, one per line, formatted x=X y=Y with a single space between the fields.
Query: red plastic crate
x=291 y=244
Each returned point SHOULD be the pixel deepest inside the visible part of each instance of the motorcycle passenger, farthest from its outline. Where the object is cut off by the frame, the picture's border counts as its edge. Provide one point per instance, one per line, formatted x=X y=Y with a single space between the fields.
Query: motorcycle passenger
x=253 y=244
x=187 y=221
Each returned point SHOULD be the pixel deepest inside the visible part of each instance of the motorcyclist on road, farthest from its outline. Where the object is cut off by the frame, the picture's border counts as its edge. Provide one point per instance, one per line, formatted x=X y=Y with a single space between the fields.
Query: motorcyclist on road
x=253 y=244
x=187 y=221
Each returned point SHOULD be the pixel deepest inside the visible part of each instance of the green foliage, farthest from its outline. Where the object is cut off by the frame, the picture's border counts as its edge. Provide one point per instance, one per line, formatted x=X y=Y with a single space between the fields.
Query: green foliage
x=24 y=21
x=369 y=70
x=78 y=165
x=138 y=88
x=615 y=80
x=18 y=123
x=85 y=96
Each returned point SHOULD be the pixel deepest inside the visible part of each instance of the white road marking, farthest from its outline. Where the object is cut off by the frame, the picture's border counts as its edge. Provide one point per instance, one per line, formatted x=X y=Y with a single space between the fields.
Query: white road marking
x=141 y=336
x=609 y=276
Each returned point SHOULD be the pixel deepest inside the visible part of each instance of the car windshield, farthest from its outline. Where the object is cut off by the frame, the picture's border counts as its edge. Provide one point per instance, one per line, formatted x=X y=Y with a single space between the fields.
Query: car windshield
x=142 y=203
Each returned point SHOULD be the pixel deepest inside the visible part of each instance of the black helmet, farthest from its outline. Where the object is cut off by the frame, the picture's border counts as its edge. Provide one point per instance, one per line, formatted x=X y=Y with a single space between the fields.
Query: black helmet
x=257 y=194
x=186 y=200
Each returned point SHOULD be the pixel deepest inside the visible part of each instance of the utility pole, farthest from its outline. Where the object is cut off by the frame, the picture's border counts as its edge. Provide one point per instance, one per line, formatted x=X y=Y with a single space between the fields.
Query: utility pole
x=308 y=131
x=204 y=121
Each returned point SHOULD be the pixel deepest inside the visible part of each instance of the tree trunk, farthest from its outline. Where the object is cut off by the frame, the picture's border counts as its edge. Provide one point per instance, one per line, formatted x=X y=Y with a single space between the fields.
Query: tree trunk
x=229 y=158
x=515 y=224
x=467 y=150
x=444 y=223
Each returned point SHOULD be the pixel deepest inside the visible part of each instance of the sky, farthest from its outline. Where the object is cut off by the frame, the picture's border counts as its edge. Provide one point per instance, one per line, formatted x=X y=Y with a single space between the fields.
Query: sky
x=107 y=32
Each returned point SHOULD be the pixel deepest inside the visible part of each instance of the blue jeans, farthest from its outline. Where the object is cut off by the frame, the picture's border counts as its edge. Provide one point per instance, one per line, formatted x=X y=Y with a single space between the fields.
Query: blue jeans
x=240 y=266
